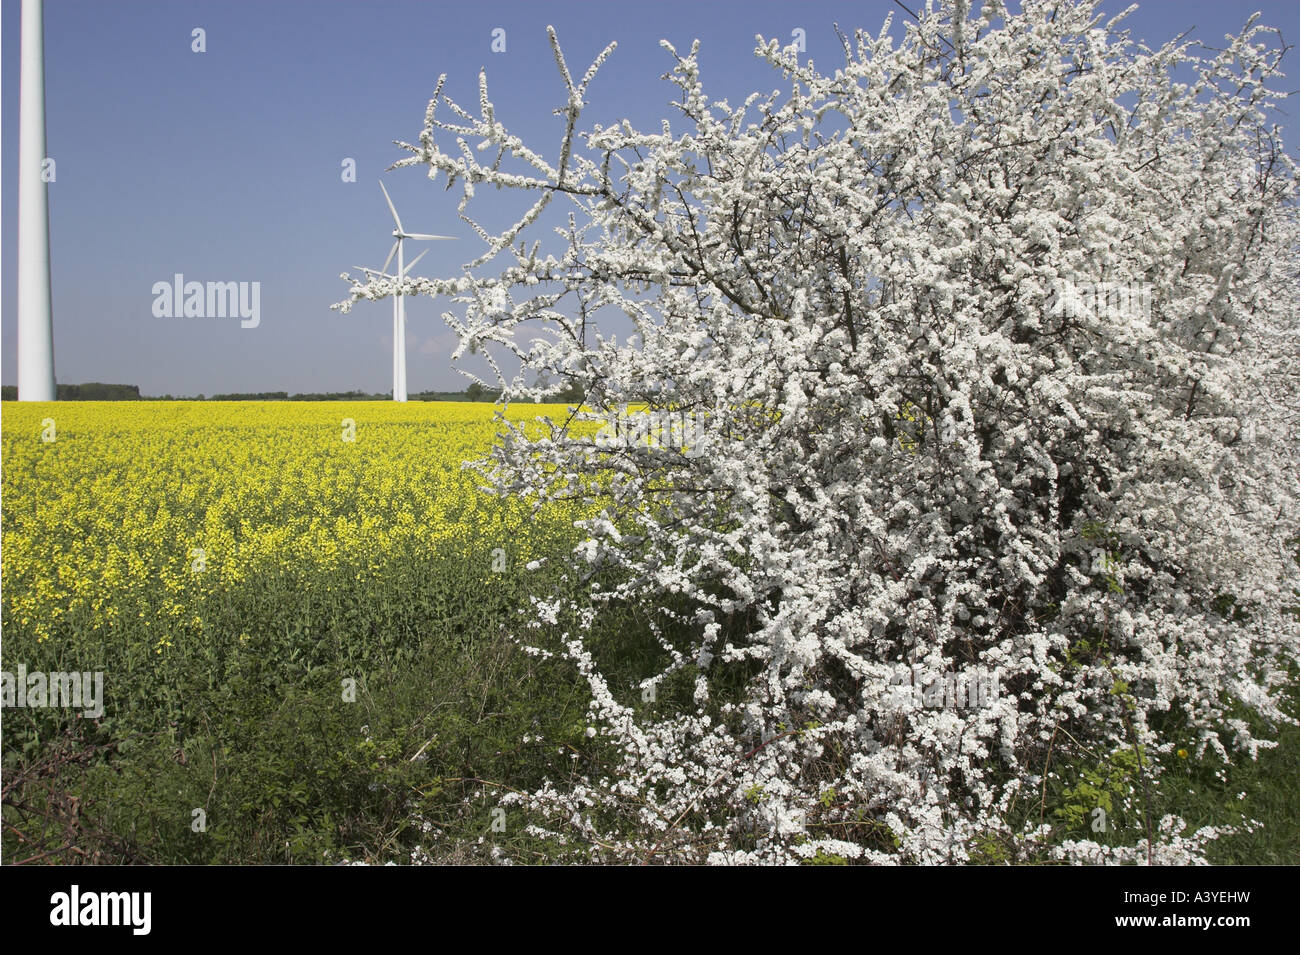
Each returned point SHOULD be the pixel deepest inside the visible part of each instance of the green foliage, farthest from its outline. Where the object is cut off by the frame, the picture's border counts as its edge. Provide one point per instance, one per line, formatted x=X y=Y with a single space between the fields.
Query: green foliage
x=825 y=858
x=252 y=726
x=1108 y=785
x=989 y=850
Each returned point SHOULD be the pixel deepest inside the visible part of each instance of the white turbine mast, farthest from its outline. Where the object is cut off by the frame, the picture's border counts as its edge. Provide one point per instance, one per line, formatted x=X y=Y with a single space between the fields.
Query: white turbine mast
x=399 y=308
x=371 y=275
x=35 y=317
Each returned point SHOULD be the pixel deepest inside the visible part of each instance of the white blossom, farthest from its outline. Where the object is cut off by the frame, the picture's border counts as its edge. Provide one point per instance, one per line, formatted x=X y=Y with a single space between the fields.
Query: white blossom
x=908 y=453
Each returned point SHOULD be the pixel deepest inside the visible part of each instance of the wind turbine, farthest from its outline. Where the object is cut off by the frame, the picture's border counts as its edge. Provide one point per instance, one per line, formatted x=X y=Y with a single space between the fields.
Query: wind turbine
x=392 y=278
x=35 y=320
x=399 y=309
x=371 y=274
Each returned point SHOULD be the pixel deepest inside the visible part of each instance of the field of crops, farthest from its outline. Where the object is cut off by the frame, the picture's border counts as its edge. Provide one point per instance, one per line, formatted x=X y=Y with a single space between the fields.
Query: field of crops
x=215 y=559
x=128 y=517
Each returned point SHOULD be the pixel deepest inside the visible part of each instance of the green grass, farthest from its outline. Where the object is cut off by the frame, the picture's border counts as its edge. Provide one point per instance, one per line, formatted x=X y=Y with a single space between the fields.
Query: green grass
x=1270 y=785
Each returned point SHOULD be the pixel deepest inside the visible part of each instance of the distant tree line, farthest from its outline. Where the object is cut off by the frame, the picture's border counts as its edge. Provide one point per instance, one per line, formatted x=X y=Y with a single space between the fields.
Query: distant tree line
x=97 y=391
x=470 y=394
x=91 y=391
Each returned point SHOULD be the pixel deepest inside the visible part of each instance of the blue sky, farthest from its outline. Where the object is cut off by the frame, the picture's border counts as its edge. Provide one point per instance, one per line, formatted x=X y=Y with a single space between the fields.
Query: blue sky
x=226 y=165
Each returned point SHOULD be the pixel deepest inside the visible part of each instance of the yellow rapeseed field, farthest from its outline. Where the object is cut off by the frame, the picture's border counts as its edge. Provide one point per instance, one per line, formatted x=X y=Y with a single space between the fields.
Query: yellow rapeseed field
x=140 y=510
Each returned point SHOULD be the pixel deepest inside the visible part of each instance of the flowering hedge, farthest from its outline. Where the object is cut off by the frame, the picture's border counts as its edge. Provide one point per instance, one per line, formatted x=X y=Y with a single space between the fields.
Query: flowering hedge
x=988 y=345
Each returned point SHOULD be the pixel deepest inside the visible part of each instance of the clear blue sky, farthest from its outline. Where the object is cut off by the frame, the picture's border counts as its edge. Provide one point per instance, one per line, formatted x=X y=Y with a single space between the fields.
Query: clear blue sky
x=225 y=165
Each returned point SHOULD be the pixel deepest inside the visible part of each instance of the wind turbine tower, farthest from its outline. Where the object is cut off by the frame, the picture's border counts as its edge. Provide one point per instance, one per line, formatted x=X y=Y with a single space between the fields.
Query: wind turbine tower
x=35 y=318
x=399 y=308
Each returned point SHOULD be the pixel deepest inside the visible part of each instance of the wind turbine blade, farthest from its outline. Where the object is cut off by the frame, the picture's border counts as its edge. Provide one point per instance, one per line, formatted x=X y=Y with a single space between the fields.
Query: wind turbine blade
x=391 y=252
x=417 y=235
x=410 y=265
x=392 y=208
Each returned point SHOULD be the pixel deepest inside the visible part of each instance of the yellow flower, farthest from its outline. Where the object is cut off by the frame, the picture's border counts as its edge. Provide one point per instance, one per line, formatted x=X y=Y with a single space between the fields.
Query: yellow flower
x=104 y=529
